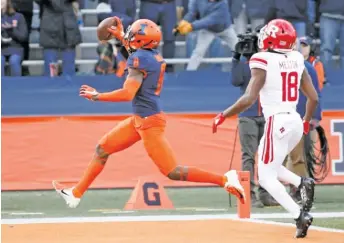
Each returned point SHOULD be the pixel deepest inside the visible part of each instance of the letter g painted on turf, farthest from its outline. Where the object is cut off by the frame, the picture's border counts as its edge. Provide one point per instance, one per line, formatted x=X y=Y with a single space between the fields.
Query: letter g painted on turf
x=154 y=198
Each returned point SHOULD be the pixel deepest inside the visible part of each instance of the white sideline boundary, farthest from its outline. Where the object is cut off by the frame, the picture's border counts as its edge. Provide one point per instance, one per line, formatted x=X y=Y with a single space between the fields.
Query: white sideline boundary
x=255 y=218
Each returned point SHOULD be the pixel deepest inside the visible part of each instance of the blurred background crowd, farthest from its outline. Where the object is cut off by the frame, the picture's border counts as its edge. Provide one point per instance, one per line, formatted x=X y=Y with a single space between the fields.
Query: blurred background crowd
x=54 y=37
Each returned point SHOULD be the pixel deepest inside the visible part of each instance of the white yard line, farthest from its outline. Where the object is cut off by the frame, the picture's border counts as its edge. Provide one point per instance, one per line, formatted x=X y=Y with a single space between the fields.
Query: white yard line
x=256 y=218
x=26 y=213
x=118 y=212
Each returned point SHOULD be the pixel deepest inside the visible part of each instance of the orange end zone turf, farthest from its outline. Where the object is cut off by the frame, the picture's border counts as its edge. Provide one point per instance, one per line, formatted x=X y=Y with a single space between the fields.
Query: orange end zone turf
x=198 y=231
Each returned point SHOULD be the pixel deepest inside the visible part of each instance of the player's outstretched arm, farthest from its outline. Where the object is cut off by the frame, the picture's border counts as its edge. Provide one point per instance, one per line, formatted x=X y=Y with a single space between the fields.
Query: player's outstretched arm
x=246 y=100
x=309 y=91
x=127 y=93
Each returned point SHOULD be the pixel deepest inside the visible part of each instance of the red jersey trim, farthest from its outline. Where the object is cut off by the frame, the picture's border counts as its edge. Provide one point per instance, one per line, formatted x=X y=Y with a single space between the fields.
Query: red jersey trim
x=259 y=60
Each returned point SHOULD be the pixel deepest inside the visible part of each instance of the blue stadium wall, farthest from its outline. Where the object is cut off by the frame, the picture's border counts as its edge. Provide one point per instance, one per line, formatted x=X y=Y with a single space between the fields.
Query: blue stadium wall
x=200 y=91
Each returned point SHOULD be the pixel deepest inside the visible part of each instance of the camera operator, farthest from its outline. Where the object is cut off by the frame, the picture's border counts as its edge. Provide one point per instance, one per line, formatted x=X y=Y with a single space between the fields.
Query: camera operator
x=251 y=121
x=302 y=160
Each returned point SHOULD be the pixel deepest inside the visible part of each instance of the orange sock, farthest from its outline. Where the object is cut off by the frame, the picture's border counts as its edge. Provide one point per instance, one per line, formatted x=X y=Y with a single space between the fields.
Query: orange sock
x=198 y=175
x=92 y=171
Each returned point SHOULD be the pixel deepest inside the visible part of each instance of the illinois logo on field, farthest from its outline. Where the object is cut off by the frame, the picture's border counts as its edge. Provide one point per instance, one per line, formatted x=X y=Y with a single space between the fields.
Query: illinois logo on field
x=337 y=130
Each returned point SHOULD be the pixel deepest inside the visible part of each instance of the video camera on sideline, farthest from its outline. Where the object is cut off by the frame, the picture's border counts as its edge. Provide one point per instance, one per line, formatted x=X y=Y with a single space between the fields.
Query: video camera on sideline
x=247 y=44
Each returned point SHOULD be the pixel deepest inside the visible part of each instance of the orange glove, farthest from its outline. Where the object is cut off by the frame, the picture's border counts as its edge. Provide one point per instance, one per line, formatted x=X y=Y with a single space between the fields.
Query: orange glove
x=218 y=120
x=184 y=27
x=305 y=127
x=117 y=30
x=88 y=93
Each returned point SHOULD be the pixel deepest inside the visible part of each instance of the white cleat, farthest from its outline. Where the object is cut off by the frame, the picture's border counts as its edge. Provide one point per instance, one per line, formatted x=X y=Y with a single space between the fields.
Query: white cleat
x=67 y=195
x=233 y=185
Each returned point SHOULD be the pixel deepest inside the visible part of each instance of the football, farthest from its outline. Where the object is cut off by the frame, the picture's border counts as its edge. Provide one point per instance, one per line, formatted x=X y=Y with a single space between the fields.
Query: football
x=102 y=32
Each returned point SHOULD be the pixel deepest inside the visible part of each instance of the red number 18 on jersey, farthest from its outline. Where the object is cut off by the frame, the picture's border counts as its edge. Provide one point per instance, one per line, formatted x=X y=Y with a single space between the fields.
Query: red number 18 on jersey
x=289 y=86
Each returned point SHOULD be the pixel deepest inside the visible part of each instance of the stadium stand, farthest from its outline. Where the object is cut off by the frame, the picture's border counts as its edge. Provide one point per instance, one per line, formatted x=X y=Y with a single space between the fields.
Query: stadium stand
x=86 y=52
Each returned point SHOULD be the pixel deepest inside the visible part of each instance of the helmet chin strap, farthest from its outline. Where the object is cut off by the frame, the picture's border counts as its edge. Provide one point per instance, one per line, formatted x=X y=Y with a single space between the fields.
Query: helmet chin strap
x=147 y=44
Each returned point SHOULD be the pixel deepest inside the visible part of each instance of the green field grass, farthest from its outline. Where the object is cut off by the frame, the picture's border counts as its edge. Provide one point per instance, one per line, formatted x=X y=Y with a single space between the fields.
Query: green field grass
x=186 y=201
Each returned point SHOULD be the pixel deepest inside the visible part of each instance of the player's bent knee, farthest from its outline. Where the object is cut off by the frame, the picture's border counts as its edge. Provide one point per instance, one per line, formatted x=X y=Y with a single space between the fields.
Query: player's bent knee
x=173 y=175
x=101 y=154
x=166 y=171
x=169 y=171
x=179 y=173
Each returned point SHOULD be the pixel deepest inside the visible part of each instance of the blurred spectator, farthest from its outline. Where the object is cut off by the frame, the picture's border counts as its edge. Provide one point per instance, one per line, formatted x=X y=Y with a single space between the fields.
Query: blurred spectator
x=164 y=13
x=90 y=4
x=307 y=50
x=83 y=4
x=215 y=48
x=214 y=21
x=295 y=11
x=111 y=60
x=77 y=12
x=312 y=16
x=182 y=8
x=331 y=28
x=25 y=7
x=13 y=34
x=59 y=32
x=125 y=10
x=244 y=11
x=296 y=161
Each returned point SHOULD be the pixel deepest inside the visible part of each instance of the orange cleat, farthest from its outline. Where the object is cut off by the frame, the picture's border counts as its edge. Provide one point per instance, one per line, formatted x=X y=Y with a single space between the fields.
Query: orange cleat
x=233 y=185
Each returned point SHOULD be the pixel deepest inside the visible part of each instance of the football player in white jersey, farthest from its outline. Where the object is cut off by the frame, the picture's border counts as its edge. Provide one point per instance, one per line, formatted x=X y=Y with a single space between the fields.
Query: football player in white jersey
x=278 y=72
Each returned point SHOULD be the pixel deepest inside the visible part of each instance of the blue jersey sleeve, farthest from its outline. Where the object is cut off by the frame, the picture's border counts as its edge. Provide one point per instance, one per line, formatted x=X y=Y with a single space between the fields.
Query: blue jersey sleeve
x=139 y=61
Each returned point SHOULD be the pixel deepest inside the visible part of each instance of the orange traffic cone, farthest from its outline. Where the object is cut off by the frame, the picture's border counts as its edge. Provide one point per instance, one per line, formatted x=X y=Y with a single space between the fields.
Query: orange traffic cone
x=148 y=194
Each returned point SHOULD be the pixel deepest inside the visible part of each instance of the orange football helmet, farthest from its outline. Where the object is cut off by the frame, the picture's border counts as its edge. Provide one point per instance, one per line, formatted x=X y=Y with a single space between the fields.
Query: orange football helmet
x=142 y=34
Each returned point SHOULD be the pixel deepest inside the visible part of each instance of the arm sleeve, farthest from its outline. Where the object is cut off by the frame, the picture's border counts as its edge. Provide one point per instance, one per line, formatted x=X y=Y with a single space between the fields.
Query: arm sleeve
x=138 y=62
x=258 y=61
x=192 y=11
